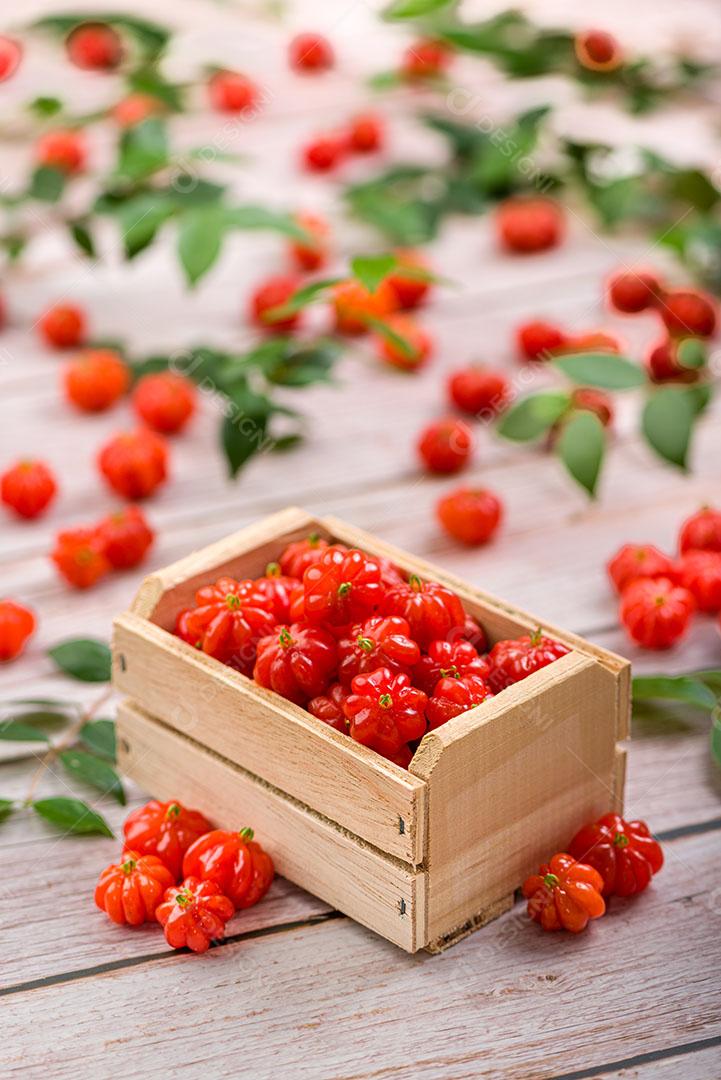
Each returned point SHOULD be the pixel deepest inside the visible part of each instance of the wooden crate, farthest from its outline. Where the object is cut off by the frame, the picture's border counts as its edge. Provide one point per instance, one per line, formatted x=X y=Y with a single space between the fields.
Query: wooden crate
x=422 y=856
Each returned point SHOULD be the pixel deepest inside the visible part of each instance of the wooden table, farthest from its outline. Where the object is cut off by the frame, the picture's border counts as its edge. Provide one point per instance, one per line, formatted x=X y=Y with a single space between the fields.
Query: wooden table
x=298 y=989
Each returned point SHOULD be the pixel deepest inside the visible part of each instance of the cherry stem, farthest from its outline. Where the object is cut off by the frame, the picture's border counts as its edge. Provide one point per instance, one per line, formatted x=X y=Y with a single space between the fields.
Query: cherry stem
x=246 y=833
x=551 y=881
x=385 y=701
x=365 y=643
x=621 y=840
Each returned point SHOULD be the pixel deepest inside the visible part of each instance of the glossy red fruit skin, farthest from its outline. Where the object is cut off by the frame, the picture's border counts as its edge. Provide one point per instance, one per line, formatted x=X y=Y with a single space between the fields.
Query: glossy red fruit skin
x=129 y=891
x=94 y=46
x=134 y=463
x=366 y=133
x=564 y=894
x=312 y=254
x=135 y=108
x=62 y=149
x=11 y=53
x=537 y=341
x=342 y=587
x=688 y=313
x=126 y=537
x=384 y=711
x=448 y=660
x=633 y=561
x=592 y=400
x=28 y=488
x=431 y=610
x=656 y=613
x=328 y=707
x=445 y=446
x=381 y=641
x=228 y=621
x=95 y=379
x=63 y=326
x=700 y=573
x=300 y=554
x=455 y=695
x=409 y=281
x=323 y=152
x=473 y=631
x=80 y=557
x=231 y=92
x=273 y=293
x=470 y=515
x=165 y=401
x=632 y=291
x=309 y=52
x=663 y=365
x=426 y=59
x=701 y=531
x=164 y=829
x=277 y=588
x=597 y=50
x=480 y=391
x=419 y=341
x=525 y=226
x=515 y=659
x=234 y=862
x=624 y=853
x=17 y=625
x=193 y=914
x=298 y=662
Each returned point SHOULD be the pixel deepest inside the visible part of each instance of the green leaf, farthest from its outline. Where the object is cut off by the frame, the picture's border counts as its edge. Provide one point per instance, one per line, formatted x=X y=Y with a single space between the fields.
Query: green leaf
x=140 y=218
x=668 y=419
x=371 y=270
x=412 y=9
x=259 y=217
x=93 y=771
x=533 y=416
x=47 y=184
x=50 y=719
x=240 y=441
x=85 y=659
x=200 y=239
x=17 y=731
x=692 y=353
x=72 y=816
x=711 y=678
x=143 y=150
x=581 y=448
x=687 y=688
x=6 y=808
x=302 y=365
x=604 y=370
x=716 y=740
x=99 y=736
x=301 y=298
x=386 y=331
x=45 y=107
x=81 y=235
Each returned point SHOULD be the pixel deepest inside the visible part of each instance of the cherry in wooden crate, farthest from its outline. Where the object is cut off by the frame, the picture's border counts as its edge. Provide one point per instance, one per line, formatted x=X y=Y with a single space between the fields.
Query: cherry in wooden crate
x=422 y=856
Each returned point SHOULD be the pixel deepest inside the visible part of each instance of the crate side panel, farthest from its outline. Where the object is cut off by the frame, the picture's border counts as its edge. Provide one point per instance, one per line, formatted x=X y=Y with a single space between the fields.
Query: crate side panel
x=515 y=785
x=377 y=891
x=271 y=738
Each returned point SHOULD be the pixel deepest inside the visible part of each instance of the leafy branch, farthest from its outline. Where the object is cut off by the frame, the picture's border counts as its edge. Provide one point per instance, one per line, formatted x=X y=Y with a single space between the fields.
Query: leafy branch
x=578 y=437
x=523 y=50
x=84 y=750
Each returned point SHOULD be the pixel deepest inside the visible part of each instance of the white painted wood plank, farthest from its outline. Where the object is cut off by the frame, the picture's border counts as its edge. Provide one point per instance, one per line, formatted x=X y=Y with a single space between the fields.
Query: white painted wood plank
x=335 y=1001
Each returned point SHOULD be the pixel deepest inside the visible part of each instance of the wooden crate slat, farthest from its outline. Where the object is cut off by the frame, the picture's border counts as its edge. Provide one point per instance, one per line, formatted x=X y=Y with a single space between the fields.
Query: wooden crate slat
x=380 y=892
